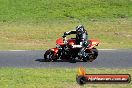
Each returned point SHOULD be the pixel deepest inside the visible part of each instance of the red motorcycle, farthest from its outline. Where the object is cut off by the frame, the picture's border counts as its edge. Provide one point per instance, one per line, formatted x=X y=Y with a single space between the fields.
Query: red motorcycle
x=66 y=49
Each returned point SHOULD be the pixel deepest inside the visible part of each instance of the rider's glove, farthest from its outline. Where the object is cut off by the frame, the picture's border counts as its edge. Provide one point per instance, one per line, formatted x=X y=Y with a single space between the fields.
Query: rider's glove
x=66 y=33
x=64 y=36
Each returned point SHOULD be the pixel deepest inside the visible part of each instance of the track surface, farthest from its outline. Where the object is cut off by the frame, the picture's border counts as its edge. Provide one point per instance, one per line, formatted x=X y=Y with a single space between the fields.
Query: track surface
x=106 y=59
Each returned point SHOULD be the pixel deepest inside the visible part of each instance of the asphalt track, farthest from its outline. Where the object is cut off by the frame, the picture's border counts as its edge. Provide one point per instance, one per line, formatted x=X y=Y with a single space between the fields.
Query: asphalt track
x=34 y=59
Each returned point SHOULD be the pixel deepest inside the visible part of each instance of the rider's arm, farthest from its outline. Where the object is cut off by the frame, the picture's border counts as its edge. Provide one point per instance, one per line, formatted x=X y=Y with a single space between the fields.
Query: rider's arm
x=70 y=32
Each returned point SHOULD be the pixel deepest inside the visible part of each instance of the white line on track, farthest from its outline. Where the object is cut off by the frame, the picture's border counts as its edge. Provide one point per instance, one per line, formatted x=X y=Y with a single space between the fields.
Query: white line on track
x=17 y=50
x=44 y=50
x=107 y=49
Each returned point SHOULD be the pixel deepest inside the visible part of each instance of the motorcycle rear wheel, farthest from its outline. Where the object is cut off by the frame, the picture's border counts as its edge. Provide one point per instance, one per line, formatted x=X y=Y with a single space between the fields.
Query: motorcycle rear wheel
x=91 y=56
x=94 y=56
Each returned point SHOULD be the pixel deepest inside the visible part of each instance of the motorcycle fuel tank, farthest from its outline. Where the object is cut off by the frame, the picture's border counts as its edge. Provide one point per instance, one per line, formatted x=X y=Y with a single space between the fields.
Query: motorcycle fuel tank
x=71 y=41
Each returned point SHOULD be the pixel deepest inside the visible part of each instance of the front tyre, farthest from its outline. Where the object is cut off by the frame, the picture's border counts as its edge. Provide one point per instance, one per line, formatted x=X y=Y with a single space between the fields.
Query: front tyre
x=49 y=56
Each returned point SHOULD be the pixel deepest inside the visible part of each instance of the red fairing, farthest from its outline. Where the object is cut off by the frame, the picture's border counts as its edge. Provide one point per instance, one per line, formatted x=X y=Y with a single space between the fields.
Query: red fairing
x=55 y=50
x=71 y=41
x=93 y=43
x=60 y=41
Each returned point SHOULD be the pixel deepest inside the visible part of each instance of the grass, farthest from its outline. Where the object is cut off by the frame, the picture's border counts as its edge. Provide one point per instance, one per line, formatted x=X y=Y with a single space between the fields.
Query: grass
x=53 y=78
x=112 y=34
x=36 y=24
x=38 y=11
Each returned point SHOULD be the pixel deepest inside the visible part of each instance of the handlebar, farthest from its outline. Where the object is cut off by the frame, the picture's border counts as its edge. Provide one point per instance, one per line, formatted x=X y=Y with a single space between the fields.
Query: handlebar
x=64 y=39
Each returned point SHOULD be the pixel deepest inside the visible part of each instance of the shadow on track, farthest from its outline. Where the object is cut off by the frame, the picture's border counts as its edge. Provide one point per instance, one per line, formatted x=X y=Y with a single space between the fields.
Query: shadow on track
x=42 y=60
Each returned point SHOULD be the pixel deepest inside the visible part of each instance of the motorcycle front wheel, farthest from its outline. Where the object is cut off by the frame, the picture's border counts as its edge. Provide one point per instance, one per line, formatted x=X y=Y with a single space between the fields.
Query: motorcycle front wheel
x=49 y=56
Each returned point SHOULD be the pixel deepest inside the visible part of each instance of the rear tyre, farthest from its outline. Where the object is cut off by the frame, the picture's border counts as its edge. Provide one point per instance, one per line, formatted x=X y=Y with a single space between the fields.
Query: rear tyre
x=94 y=56
x=95 y=52
x=49 y=56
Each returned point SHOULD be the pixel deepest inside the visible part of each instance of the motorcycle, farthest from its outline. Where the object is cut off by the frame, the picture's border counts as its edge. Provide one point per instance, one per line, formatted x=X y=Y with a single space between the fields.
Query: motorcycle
x=66 y=49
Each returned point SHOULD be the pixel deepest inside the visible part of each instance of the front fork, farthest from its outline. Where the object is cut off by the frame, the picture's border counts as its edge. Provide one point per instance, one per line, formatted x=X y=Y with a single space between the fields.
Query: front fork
x=59 y=53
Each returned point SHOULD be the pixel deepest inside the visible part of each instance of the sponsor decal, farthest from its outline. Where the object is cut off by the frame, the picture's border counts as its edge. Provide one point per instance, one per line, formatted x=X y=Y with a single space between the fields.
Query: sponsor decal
x=83 y=78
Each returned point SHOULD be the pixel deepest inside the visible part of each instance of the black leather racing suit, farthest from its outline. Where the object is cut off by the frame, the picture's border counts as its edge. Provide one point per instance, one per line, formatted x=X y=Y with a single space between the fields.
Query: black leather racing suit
x=81 y=39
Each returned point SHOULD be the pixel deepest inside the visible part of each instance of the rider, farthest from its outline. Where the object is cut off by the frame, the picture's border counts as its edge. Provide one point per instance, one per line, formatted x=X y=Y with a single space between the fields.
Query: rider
x=81 y=39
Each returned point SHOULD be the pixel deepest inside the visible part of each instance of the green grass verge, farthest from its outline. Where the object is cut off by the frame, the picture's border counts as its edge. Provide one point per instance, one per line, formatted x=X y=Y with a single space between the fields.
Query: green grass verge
x=36 y=24
x=112 y=34
x=38 y=11
x=53 y=78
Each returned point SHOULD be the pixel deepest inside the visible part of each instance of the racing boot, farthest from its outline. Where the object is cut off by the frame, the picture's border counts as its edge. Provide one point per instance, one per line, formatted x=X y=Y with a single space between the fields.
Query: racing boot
x=85 y=57
x=82 y=55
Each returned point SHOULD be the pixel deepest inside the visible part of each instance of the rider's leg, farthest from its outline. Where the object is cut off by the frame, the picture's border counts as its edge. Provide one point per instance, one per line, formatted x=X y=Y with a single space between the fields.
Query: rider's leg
x=82 y=53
